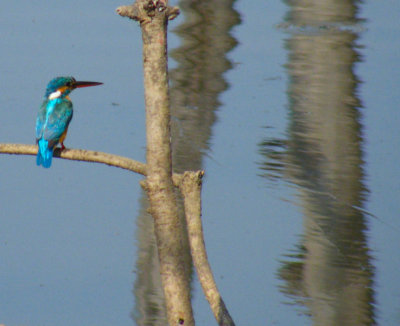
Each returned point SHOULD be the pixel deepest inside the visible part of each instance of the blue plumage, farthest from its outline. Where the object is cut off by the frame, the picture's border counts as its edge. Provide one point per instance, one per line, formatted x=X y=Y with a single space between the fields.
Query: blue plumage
x=45 y=154
x=54 y=116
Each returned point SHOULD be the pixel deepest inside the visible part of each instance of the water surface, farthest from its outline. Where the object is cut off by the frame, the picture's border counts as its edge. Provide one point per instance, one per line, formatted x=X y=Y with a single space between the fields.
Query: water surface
x=291 y=110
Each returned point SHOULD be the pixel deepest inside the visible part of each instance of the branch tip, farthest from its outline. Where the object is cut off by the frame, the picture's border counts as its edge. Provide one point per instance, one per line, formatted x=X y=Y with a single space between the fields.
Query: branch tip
x=144 y=11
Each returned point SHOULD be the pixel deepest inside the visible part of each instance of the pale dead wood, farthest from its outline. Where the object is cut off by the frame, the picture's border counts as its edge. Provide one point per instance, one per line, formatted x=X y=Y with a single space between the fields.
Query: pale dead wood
x=79 y=155
x=153 y=17
x=190 y=185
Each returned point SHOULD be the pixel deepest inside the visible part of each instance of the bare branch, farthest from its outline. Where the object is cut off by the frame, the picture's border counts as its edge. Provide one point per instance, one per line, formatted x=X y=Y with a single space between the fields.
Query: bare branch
x=153 y=16
x=79 y=155
x=190 y=185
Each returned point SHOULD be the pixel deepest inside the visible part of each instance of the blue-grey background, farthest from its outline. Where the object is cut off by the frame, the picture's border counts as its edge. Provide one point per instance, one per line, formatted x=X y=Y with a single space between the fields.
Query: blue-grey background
x=71 y=236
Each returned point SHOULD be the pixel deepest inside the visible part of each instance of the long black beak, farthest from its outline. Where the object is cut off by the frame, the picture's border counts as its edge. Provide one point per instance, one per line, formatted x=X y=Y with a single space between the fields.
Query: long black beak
x=79 y=84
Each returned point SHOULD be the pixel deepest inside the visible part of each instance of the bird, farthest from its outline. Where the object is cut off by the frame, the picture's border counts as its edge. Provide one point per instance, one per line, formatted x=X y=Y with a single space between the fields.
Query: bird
x=54 y=116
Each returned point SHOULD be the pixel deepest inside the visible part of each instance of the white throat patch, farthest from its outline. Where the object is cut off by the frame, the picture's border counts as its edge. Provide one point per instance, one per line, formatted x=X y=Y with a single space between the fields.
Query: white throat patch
x=54 y=95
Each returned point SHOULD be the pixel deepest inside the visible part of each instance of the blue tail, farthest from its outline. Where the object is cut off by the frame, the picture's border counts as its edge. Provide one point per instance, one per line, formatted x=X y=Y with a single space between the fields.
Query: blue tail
x=45 y=154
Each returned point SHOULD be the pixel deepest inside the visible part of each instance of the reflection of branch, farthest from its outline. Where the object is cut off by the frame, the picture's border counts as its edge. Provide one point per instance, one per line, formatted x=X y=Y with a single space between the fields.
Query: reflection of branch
x=79 y=155
x=190 y=186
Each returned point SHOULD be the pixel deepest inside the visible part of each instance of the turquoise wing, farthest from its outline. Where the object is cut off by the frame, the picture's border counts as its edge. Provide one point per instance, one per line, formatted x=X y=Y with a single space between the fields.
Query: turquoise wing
x=57 y=121
x=52 y=121
x=40 y=120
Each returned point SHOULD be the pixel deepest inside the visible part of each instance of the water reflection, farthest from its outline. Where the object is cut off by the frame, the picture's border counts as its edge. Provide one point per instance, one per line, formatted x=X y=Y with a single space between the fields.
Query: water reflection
x=198 y=80
x=195 y=87
x=149 y=296
x=329 y=272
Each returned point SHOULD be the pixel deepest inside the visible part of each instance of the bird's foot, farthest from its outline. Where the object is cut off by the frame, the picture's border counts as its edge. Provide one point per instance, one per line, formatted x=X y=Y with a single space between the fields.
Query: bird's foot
x=62 y=146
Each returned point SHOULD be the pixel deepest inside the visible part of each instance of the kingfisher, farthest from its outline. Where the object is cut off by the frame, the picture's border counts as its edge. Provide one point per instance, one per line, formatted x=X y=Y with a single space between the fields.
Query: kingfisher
x=54 y=116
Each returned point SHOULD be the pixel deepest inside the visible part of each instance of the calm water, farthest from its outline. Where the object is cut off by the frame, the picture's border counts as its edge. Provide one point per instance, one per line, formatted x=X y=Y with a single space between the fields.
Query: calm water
x=291 y=109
